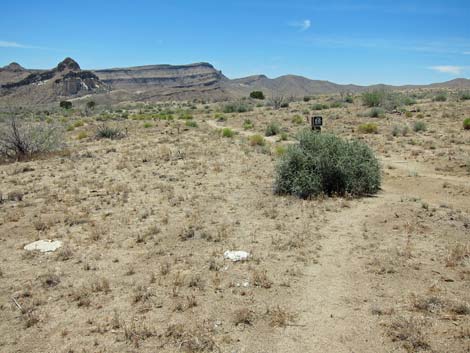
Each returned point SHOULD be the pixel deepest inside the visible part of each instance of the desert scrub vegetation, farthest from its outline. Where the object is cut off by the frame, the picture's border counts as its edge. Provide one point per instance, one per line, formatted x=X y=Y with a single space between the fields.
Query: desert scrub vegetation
x=109 y=132
x=376 y=112
x=257 y=95
x=248 y=124
x=227 y=132
x=466 y=124
x=441 y=97
x=419 y=126
x=326 y=164
x=237 y=107
x=272 y=129
x=373 y=98
x=368 y=128
x=20 y=140
x=257 y=140
x=297 y=120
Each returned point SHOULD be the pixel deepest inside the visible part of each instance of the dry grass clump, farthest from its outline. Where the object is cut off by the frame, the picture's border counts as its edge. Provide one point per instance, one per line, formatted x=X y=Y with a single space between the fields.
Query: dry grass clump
x=279 y=317
x=190 y=340
x=243 y=316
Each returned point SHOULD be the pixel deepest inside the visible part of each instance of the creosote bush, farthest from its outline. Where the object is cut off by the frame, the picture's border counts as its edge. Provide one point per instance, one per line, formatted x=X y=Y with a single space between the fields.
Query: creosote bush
x=326 y=164
x=20 y=140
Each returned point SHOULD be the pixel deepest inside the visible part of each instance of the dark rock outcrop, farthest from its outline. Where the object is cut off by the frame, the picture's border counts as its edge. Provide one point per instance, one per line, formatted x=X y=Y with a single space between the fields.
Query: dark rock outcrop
x=65 y=80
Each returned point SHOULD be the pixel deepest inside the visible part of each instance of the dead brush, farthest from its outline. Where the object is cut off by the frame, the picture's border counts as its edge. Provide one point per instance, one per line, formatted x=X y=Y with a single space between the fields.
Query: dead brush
x=49 y=280
x=191 y=340
x=142 y=294
x=138 y=331
x=431 y=305
x=260 y=279
x=409 y=333
x=457 y=255
x=100 y=285
x=30 y=315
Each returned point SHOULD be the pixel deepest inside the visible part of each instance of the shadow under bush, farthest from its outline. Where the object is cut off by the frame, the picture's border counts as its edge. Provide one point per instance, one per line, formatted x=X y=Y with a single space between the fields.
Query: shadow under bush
x=326 y=164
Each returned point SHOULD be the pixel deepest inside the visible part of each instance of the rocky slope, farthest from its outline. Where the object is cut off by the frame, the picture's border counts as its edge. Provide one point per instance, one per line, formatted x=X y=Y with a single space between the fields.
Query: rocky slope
x=41 y=86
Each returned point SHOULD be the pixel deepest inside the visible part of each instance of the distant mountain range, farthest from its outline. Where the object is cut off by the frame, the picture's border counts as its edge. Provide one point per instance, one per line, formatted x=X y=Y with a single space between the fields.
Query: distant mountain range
x=162 y=82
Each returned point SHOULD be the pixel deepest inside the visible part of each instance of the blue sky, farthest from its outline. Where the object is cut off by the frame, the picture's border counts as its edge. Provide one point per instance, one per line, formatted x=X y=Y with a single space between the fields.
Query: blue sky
x=362 y=42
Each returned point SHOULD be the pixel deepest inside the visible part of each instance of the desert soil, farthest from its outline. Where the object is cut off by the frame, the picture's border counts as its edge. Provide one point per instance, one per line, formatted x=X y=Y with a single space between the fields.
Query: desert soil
x=145 y=221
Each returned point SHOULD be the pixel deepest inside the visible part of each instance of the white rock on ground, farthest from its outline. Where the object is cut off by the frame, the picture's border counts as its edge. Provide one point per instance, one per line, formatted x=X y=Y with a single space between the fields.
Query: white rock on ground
x=236 y=255
x=44 y=245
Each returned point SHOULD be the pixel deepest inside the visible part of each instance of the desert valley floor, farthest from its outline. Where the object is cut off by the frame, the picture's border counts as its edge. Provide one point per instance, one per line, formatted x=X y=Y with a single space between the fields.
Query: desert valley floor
x=145 y=221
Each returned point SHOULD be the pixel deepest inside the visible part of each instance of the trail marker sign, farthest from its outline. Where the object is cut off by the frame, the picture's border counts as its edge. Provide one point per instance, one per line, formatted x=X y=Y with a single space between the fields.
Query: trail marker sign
x=317 y=122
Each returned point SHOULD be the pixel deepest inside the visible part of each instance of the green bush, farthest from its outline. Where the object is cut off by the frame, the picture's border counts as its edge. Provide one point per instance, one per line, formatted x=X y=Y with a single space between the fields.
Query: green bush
x=257 y=95
x=191 y=123
x=466 y=124
x=227 y=132
x=441 y=97
x=369 y=128
x=272 y=129
x=257 y=140
x=336 y=105
x=376 y=113
x=464 y=96
x=307 y=99
x=373 y=98
x=349 y=99
x=419 y=126
x=397 y=130
x=65 y=104
x=319 y=106
x=248 y=124
x=327 y=164
x=147 y=125
x=237 y=107
x=297 y=120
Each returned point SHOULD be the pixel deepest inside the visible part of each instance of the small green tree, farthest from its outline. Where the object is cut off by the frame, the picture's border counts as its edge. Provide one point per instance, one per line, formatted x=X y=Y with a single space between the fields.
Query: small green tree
x=257 y=95
x=91 y=105
x=65 y=105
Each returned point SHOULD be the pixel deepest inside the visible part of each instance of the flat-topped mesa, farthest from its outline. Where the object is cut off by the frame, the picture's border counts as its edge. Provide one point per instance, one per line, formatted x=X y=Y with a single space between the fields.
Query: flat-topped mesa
x=161 y=77
x=68 y=64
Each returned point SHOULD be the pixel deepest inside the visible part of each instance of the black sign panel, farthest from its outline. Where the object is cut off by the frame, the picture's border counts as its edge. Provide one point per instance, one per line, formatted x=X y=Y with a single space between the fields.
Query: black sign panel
x=317 y=121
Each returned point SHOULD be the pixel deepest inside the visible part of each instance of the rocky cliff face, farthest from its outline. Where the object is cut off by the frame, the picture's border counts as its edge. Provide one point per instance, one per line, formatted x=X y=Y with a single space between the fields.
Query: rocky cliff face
x=163 y=79
x=64 y=81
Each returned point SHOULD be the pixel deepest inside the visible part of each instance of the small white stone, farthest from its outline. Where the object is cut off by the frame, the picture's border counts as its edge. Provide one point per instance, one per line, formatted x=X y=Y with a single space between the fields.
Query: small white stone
x=44 y=245
x=236 y=255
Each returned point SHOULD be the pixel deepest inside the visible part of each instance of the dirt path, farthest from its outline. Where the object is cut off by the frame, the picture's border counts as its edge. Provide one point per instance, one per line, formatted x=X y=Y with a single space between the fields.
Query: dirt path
x=334 y=307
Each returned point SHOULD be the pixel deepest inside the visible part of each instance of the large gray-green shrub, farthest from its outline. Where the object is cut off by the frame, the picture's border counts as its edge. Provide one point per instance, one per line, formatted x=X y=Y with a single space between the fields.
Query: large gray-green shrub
x=327 y=164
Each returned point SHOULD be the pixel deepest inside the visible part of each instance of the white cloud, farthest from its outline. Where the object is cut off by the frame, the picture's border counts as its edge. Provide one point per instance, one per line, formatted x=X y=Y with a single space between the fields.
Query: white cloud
x=448 y=69
x=301 y=25
x=466 y=53
x=5 y=44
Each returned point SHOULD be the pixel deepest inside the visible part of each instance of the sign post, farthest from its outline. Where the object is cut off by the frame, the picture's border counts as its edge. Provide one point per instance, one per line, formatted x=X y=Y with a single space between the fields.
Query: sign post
x=317 y=122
